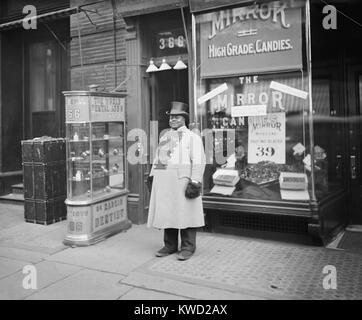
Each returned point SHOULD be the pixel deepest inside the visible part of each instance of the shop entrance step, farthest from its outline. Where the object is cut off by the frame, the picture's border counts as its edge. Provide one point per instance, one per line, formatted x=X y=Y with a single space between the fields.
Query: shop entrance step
x=13 y=198
x=18 y=188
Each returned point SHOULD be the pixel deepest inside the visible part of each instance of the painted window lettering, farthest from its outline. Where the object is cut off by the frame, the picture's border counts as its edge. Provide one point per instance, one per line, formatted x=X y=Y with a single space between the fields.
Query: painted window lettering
x=73 y=114
x=226 y=18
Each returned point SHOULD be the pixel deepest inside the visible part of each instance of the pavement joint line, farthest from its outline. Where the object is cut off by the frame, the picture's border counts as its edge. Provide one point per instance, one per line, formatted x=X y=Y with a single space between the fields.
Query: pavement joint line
x=4 y=277
x=206 y=284
x=43 y=259
x=29 y=248
x=84 y=267
x=20 y=260
x=144 y=269
x=130 y=289
x=50 y=284
x=156 y=290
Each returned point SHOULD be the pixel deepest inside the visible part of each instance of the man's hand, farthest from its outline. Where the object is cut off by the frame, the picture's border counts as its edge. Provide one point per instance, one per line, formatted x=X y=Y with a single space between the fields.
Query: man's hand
x=193 y=189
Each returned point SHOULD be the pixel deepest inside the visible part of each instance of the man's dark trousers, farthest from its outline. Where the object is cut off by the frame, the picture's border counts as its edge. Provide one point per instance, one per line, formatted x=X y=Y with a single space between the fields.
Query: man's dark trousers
x=188 y=239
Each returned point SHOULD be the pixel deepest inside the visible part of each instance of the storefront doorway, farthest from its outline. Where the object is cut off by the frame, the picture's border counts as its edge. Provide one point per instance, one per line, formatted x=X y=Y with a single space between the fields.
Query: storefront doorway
x=355 y=131
x=167 y=86
x=42 y=88
x=45 y=76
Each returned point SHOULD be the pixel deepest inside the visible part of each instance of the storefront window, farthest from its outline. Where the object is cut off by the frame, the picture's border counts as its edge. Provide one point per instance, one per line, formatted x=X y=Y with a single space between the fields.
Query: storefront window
x=252 y=99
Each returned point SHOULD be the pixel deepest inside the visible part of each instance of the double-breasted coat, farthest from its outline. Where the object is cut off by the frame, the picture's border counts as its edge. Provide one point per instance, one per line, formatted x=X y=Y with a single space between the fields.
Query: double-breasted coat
x=179 y=158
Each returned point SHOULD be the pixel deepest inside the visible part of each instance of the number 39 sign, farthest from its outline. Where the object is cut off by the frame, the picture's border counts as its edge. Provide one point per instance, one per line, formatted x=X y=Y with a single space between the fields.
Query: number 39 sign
x=266 y=138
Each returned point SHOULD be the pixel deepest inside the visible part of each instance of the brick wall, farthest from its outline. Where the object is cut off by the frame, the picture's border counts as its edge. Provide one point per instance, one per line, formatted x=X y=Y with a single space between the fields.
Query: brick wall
x=99 y=45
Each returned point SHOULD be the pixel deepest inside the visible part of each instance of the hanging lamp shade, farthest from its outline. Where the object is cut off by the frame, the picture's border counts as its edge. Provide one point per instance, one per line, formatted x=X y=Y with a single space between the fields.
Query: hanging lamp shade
x=152 y=67
x=180 y=65
x=164 y=66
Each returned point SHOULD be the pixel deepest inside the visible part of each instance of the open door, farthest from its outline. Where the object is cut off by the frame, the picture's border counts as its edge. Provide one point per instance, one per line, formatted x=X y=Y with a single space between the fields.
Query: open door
x=355 y=129
x=168 y=86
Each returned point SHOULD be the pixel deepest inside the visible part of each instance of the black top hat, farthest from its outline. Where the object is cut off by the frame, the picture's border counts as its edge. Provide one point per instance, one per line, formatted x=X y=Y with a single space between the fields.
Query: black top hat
x=178 y=108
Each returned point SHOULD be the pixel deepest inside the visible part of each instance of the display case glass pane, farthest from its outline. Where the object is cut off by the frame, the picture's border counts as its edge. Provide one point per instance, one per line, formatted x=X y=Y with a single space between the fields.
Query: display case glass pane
x=78 y=158
x=252 y=102
x=95 y=159
x=100 y=156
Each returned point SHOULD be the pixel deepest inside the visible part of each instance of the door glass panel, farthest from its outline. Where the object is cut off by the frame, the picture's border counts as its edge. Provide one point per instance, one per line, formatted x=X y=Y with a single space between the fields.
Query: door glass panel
x=328 y=135
x=43 y=70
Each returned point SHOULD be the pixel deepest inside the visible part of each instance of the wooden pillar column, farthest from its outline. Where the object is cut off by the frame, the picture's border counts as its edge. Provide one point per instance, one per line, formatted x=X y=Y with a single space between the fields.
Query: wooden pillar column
x=137 y=118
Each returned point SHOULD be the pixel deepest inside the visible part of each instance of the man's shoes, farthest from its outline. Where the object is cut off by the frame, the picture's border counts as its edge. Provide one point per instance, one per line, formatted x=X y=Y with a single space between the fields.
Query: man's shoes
x=164 y=252
x=184 y=255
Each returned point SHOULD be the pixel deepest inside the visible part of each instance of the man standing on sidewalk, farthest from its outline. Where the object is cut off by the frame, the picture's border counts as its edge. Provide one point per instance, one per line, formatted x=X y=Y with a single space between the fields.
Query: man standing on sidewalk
x=176 y=176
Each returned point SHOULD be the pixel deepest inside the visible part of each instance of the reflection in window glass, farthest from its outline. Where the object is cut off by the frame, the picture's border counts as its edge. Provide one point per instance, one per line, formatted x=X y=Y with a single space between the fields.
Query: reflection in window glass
x=250 y=152
x=43 y=72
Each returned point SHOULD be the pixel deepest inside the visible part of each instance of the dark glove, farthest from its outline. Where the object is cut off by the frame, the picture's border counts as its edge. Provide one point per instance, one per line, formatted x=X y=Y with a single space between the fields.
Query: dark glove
x=193 y=190
x=149 y=182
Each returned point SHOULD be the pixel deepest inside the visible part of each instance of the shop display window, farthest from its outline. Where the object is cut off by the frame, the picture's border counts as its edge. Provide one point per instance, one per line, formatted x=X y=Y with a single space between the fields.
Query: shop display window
x=253 y=103
x=254 y=150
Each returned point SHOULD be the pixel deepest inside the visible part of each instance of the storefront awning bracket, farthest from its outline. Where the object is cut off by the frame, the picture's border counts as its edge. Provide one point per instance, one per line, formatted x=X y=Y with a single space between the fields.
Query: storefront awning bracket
x=89 y=18
x=55 y=36
x=91 y=11
x=121 y=84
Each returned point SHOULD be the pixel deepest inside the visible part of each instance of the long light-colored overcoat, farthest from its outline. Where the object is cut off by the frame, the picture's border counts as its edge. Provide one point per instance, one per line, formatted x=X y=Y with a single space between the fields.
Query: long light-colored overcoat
x=180 y=157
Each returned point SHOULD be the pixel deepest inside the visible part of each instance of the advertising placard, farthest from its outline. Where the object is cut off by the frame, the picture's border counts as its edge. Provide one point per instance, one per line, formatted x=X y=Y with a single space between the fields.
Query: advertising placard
x=84 y=108
x=109 y=212
x=76 y=109
x=78 y=219
x=266 y=138
x=258 y=38
x=107 y=108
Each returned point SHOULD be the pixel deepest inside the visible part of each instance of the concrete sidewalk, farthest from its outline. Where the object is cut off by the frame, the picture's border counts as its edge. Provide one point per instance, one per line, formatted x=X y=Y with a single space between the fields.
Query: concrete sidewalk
x=124 y=267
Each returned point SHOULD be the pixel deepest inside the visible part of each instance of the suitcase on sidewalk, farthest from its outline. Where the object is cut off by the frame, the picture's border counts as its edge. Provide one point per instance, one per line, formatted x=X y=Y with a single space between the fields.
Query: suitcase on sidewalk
x=44 y=177
x=45 y=211
x=43 y=150
x=44 y=181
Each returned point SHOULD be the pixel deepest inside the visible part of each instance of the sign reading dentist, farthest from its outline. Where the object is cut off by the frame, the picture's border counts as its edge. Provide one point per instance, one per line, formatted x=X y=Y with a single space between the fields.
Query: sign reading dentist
x=258 y=38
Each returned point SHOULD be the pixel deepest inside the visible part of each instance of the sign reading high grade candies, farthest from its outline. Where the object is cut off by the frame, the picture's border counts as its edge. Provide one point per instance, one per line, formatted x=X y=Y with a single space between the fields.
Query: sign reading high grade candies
x=266 y=138
x=258 y=38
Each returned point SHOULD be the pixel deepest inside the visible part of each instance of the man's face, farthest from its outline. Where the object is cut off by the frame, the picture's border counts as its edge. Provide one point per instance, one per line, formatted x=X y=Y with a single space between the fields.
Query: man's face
x=176 y=121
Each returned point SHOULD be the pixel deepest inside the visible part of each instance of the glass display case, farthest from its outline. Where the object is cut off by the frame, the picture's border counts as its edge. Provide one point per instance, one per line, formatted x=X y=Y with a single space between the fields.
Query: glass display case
x=96 y=166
